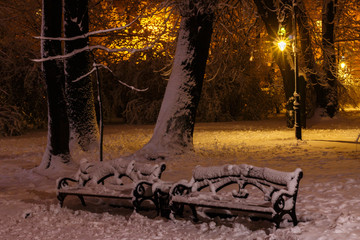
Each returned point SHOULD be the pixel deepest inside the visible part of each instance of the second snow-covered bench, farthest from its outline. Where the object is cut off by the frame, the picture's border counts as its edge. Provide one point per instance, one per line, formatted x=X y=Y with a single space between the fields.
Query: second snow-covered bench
x=278 y=191
x=115 y=179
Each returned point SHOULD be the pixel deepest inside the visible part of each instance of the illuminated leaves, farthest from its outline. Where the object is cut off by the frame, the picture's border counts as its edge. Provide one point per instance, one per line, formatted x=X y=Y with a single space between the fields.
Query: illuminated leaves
x=151 y=26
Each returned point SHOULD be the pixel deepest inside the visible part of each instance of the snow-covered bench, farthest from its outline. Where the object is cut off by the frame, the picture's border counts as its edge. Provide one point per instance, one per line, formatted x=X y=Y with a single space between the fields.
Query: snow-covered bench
x=121 y=178
x=278 y=191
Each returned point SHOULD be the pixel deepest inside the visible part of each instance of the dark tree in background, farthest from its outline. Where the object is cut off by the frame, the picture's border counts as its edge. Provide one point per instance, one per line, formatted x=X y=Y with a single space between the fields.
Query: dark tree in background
x=269 y=13
x=307 y=52
x=53 y=71
x=174 y=128
x=79 y=90
x=22 y=89
x=329 y=97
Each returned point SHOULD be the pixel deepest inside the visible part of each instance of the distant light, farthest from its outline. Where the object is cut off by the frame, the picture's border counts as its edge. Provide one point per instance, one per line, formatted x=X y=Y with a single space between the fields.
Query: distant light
x=282 y=45
x=342 y=65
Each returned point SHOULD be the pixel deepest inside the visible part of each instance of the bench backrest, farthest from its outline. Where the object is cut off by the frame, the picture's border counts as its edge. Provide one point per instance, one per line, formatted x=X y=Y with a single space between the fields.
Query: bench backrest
x=148 y=171
x=135 y=171
x=218 y=177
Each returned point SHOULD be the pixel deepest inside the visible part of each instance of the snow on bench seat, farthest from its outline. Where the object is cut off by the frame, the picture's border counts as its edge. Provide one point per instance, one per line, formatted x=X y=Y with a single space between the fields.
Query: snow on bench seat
x=228 y=204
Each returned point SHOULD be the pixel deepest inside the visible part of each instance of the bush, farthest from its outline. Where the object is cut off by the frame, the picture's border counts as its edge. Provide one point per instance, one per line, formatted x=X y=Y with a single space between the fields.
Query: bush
x=11 y=121
x=23 y=92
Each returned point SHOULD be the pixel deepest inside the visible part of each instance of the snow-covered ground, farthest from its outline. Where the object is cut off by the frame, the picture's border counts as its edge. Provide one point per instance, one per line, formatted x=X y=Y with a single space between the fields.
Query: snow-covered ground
x=328 y=202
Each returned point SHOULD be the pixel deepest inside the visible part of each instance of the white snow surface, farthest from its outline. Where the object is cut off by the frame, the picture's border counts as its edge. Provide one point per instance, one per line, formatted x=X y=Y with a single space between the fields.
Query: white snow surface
x=328 y=204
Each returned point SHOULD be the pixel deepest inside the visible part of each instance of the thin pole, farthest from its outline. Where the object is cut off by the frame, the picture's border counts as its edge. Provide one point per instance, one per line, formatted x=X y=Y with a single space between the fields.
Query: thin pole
x=101 y=123
x=296 y=70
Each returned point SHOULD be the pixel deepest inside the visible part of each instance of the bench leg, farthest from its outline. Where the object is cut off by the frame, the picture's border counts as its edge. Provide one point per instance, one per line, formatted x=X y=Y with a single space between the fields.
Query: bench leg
x=177 y=209
x=193 y=210
x=137 y=201
x=293 y=217
x=156 y=200
x=164 y=206
x=61 y=197
x=82 y=200
x=279 y=216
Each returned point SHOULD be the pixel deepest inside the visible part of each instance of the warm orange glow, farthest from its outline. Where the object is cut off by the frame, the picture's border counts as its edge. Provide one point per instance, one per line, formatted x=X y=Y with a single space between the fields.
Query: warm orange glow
x=342 y=65
x=282 y=45
x=153 y=30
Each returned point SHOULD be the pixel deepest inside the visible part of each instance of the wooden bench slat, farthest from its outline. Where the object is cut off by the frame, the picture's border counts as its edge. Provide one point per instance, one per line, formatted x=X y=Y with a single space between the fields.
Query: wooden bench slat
x=236 y=206
x=125 y=193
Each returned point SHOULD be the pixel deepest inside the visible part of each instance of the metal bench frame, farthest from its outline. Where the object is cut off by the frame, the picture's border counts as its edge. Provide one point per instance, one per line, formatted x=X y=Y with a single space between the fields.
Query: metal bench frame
x=86 y=184
x=279 y=189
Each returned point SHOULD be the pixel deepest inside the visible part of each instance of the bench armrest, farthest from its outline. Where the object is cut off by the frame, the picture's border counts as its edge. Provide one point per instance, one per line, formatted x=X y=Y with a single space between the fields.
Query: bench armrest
x=283 y=200
x=181 y=187
x=143 y=189
x=63 y=182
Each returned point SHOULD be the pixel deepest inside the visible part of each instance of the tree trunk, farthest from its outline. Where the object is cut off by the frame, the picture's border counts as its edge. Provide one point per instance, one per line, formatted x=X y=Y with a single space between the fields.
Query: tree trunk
x=79 y=92
x=173 y=133
x=309 y=60
x=58 y=126
x=329 y=97
x=268 y=13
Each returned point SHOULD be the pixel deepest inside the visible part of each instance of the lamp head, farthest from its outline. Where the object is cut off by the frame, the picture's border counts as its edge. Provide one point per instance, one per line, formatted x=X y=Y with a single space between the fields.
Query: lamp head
x=282 y=45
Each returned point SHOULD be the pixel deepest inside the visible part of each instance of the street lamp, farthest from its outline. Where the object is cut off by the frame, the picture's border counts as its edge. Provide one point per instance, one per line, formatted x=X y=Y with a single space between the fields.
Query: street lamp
x=281 y=41
x=282 y=45
x=342 y=63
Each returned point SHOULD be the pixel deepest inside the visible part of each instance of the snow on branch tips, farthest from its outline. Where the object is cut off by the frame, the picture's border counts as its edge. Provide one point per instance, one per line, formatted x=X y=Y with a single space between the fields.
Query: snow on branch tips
x=147 y=46
x=89 y=34
x=90 y=48
x=96 y=66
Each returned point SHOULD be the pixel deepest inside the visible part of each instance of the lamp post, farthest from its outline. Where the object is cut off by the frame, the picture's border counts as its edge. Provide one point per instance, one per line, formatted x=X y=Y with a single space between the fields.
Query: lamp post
x=282 y=45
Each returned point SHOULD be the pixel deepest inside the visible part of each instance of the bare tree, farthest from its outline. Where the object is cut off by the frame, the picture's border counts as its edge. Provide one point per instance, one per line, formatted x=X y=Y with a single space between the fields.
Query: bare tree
x=307 y=53
x=78 y=88
x=329 y=97
x=174 y=128
x=53 y=71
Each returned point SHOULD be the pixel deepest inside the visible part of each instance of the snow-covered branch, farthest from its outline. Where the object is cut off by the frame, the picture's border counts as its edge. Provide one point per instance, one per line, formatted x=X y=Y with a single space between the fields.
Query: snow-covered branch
x=90 y=48
x=97 y=65
x=121 y=82
x=89 y=33
x=85 y=75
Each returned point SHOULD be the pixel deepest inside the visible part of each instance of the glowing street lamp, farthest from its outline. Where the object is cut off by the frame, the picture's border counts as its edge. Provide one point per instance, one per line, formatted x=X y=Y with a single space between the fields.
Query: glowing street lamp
x=343 y=65
x=282 y=45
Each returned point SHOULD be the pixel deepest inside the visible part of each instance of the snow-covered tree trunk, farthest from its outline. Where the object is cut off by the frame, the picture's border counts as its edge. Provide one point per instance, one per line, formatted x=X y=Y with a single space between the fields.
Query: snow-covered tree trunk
x=58 y=126
x=79 y=91
x=329 y=97
x=173 y=133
